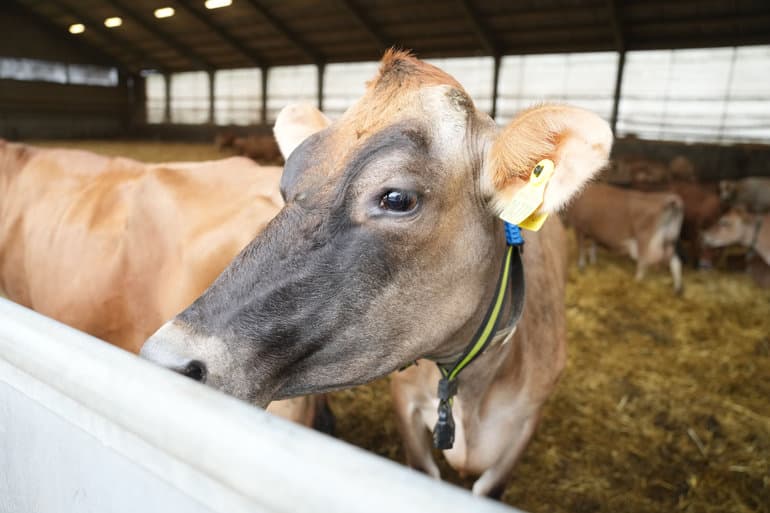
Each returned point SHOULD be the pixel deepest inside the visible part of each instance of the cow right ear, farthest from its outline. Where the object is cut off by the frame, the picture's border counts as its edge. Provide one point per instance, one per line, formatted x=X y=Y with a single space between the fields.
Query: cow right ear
x=575 y=140
x=295 y=123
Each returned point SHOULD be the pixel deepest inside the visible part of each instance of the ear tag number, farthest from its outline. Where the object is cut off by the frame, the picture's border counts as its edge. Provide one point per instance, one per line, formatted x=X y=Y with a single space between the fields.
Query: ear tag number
x=522 y=209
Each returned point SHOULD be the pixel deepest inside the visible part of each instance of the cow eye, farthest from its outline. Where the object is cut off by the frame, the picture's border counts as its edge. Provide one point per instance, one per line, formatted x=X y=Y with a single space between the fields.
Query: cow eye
x=398 y=201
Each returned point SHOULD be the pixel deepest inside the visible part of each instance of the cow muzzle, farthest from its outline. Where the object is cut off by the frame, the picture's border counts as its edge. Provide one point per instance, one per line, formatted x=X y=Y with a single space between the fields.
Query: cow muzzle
x=167 y=348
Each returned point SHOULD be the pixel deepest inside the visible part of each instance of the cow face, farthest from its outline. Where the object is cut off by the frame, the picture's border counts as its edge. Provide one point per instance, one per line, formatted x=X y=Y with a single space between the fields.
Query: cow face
x=388 y=248
x=732 y=228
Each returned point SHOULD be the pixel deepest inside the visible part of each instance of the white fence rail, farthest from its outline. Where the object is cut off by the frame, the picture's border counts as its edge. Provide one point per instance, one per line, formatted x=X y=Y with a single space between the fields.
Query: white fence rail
x=85 y=426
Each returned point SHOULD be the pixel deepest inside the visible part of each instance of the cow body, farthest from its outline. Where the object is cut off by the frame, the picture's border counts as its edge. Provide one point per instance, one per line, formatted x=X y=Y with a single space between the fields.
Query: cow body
x=501 y=393
x=115 y=247
x=642 y=225
x=261 y=148
x=751 y=194
x=702 y=208
x=389 y=250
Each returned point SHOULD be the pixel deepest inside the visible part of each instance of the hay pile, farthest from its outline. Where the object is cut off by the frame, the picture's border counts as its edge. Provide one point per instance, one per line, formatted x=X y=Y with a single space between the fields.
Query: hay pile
x=664 y=405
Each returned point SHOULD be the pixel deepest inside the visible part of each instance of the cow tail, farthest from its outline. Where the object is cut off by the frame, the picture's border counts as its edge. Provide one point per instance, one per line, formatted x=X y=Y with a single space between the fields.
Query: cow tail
x=671 y=220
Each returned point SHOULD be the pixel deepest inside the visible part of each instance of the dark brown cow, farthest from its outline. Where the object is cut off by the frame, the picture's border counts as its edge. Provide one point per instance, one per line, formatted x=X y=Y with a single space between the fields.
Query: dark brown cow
x=261 y=148
x=702 y=208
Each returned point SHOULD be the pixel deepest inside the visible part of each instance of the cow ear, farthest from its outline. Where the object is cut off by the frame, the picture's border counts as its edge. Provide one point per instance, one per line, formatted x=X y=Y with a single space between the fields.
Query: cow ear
x=576 y=140
x=295 y=123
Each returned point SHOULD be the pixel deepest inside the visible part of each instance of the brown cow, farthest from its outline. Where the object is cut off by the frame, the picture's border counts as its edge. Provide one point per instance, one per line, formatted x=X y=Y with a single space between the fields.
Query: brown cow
x=645 y=174
x=261 y=148
x=388 y=251
x=225 y=139
x=752 y=194
x=738 y=227
x=642 y=225
x=702 y=208
x=115 y=247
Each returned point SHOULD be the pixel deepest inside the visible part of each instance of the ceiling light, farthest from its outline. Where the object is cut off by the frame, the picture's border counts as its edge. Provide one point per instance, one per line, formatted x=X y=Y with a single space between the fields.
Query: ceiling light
x=113 y=22
x=216 y=4
x=164 y=12
x=77 y=28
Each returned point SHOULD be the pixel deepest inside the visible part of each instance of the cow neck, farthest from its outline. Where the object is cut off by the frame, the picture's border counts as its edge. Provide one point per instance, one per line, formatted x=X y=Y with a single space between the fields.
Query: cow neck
x=510 y=282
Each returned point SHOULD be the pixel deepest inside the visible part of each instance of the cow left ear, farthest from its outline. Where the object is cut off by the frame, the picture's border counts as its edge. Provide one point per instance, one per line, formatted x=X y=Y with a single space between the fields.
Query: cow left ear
x=295 y=123
x=577 y=141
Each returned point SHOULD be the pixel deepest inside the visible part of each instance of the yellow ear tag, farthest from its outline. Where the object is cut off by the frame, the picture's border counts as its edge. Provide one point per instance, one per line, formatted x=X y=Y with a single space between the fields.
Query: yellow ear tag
x=522 y=209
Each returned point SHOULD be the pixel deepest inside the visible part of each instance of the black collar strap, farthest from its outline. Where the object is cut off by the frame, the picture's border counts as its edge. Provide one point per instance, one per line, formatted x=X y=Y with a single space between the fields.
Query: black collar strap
x=511 y=277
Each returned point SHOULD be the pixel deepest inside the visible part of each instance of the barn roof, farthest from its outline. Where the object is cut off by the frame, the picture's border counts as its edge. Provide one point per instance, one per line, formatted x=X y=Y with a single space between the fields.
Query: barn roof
x=288 y=32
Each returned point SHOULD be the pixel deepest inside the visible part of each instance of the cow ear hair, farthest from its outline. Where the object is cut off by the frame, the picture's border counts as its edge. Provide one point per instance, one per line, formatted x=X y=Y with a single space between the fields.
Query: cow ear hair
x=576 y=140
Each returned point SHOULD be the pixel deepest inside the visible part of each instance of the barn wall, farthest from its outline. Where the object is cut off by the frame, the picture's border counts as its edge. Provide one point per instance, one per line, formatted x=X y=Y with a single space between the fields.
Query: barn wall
x=49 y=110
x=31 y=109
x=712 y=161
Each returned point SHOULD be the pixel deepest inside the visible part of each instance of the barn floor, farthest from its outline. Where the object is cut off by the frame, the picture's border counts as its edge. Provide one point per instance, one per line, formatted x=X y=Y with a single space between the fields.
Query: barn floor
x=664 y=405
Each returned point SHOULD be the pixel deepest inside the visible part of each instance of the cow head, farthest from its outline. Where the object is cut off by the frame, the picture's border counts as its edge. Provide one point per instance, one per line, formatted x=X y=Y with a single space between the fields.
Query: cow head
x=735 y=227
x=388 y=248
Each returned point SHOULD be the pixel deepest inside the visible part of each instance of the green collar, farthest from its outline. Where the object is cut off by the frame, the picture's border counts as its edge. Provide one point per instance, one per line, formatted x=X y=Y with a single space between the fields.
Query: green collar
x=511 y=276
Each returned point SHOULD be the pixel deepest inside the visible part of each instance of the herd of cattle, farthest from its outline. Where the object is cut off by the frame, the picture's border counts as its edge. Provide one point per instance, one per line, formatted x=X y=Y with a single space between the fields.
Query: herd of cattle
x=663 y=213
x=362 y=256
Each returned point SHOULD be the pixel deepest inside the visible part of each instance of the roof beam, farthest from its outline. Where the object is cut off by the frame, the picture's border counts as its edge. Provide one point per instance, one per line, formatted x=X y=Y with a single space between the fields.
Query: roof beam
x=479 y=28
x=57 y=32
x=616 y=25
x=287 y=33
x=234 y=42
x=168 y=40
x=109 y=35
x=374 y=34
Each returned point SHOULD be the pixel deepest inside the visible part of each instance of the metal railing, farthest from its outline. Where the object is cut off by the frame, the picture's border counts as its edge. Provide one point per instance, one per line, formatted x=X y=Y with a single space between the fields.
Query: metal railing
x=86 y=426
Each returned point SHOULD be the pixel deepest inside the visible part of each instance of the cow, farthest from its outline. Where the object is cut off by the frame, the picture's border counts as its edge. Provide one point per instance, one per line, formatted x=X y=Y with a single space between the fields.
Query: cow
x=644 y=174
x=702 y=208
x=682 y=169
x=738 y=227
x=261 y=148
x=389 y=250
x=225 y=139
x=642 y=225
x=751 y=194
x=115 y=247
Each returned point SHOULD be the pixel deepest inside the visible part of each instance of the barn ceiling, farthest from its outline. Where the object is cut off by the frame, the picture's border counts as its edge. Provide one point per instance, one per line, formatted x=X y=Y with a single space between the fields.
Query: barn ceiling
x=262 y=33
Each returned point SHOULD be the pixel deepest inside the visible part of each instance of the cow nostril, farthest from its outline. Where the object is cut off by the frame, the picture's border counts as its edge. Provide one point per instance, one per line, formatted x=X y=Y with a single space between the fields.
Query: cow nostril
x=195 y=370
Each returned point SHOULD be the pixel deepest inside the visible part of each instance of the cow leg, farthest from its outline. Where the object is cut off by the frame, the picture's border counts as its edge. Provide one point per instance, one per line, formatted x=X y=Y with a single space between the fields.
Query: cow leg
x=492 y=481
x=675 y=265
x=592 y=253
x=641 y=269
x=414 y=434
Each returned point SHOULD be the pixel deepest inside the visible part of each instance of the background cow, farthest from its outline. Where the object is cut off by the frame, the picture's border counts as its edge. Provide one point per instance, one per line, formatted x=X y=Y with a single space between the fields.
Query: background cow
x=114 y=247
x=389 y=250
x=752 y=194
x=642 y=225
x=738 y=227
